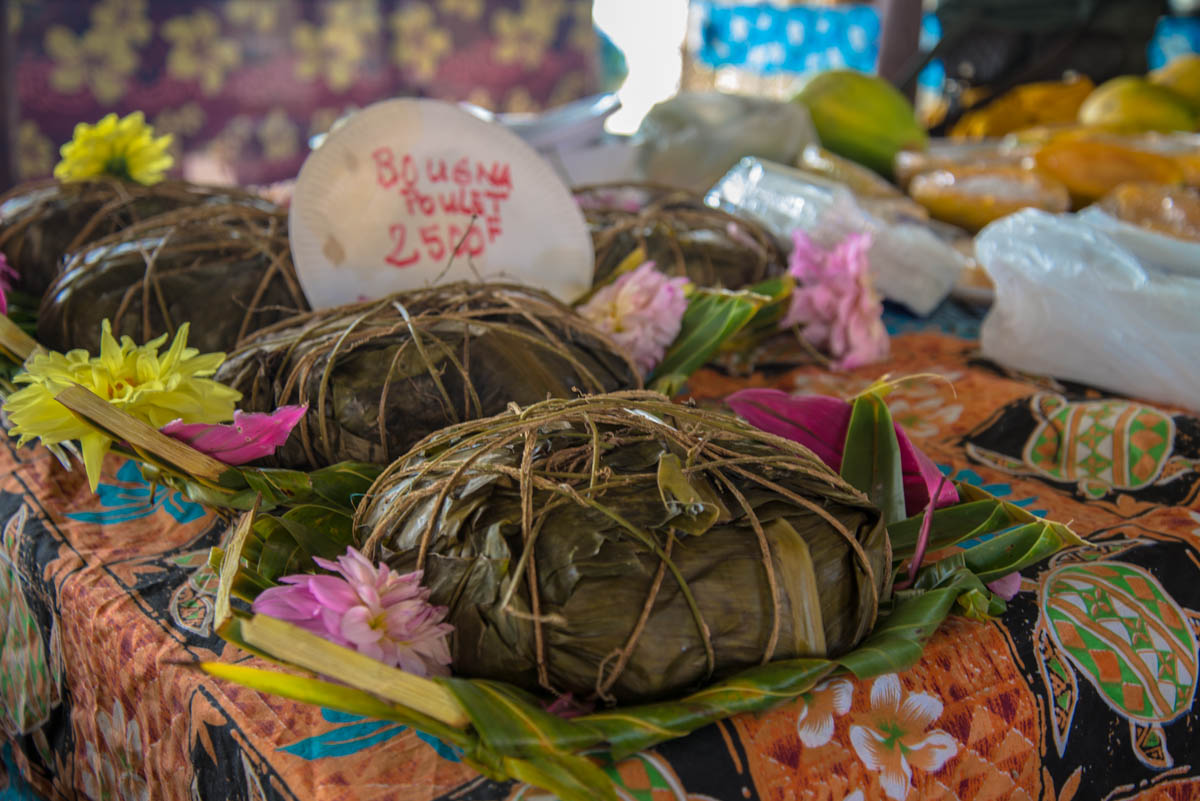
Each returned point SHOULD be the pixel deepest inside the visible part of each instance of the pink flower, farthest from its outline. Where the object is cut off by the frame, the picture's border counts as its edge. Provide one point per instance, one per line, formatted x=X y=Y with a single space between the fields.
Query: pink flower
x=1007 y=586
x=835 y=302
x=251 y=435
x=7 y=276
x=819 y=423
x=374 y=610
x=642 y=311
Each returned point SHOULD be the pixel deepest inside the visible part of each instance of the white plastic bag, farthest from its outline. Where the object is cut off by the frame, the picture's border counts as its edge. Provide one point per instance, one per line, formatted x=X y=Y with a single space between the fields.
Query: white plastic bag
x=1072 y=303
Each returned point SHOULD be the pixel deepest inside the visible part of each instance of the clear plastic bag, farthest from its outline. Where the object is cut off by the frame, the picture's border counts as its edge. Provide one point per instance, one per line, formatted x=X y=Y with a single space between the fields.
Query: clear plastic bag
x=1073 y=303
x=690 y=140
x=910 y=263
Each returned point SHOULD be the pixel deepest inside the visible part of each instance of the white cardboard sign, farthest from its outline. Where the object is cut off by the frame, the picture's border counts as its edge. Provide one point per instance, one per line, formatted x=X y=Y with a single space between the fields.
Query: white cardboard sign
x=408 y=193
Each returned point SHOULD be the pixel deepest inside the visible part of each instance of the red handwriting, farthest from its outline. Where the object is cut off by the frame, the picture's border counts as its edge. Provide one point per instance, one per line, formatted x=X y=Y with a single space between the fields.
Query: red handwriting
x=436 y=242
x=429 y=187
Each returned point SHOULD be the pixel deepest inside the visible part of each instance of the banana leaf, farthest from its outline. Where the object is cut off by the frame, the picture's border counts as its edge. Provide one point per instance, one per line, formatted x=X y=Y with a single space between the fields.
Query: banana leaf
x=713 y=316
x=380 y=375
x=508 y=733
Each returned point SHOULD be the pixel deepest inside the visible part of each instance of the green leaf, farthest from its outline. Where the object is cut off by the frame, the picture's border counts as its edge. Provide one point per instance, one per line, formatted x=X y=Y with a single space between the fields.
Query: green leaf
x=628 y=730
x=343 y=483
x=1017 y=549
x=951 y=525
x=712 y=317
x=898 y=639
x=333 y=696
x=765 y=321
x=510 y=722
x=326 y=543
x=871 y=456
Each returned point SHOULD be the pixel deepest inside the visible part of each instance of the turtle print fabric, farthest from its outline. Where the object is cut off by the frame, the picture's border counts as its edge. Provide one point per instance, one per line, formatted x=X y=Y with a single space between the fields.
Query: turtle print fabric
x=1083 y=689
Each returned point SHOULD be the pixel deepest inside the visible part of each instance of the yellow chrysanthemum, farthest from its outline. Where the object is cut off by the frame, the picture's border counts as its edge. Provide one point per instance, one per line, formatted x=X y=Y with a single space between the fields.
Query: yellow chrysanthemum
x=136 y=379
x=124 y=148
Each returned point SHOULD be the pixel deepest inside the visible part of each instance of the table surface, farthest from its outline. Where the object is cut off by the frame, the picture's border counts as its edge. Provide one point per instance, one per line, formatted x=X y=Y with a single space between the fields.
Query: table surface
x=1082 y=689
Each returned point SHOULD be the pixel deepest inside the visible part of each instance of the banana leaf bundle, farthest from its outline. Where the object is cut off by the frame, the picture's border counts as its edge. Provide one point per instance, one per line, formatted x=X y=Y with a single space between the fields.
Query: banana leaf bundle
x=680 y=233
x=630 y=548
x=43 y=220
x=226 y=267
x=522 y=472
x=378 y=376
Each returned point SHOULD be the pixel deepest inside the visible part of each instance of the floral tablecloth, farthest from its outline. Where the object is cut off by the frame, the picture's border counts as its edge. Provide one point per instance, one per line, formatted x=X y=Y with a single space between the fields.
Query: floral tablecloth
x=243 y=84
x=1083 y=689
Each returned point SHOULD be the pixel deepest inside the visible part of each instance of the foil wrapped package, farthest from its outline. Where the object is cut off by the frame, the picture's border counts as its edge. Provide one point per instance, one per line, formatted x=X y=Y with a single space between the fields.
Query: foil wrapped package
x=912 y=262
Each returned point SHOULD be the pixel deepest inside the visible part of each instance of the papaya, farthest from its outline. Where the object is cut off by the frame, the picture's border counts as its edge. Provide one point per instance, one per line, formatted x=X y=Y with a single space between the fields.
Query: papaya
x=1045 y=103
x=1182 y=76
x=861 y=117
x=972 y=197
x=817 y=160
x=1092 y=168
x=1170 y=210
x=1130 y=103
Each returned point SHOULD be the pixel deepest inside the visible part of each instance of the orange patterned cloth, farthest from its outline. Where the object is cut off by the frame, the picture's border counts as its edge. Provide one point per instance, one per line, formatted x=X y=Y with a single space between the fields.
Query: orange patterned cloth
x=1083 y=689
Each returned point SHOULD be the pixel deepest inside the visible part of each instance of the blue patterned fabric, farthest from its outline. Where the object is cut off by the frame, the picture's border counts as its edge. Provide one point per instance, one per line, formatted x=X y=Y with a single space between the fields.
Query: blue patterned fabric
x=767 y=39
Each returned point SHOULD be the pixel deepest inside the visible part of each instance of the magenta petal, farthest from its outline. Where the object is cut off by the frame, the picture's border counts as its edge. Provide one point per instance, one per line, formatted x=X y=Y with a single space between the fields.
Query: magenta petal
x=333 y=592
x=356 y=626
x=1007 y=586
x=921 y=478
x=250 y=436
x=817 y=422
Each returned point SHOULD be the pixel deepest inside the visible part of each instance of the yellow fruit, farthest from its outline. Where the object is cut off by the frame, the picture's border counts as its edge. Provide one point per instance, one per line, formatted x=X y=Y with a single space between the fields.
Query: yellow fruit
x=1182 y=76
x=1091 y=169
x=1034 y=104
x=861 y=117
x=1130 y=103
x=971 y=197
x=1170 y=210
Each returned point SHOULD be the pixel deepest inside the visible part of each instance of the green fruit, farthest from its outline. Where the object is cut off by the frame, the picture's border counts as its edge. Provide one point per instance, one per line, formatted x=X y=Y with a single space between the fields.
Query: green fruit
x=862 y=117
x=1131 y=103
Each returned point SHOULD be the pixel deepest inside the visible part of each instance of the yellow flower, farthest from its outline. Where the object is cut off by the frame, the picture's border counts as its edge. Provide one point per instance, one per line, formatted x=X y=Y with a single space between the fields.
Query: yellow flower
x=358 y=16
x=331 y=53
x=135 y=379
x=470 y=10
x=199 y=52
x=482 y=97
x=261 y=15
x=420 y=45
x=520 y=102
x=583 y=30
x=524 y=37
x=125 y=148
x=185 y=121
x=35 y=152
x=101 y=59
x=124 y=17
x=279 y=136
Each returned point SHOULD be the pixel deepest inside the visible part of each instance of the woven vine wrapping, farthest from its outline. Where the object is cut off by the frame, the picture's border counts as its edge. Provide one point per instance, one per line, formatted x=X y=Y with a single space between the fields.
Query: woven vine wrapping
x=680 y=233
x=380 y=375
x=627 y=548
x=224 y=266
x=42 y=221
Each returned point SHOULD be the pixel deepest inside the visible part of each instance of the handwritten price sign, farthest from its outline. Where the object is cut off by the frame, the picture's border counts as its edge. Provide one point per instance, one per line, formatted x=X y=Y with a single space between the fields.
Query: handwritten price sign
x=409 y=192
x=467 y=188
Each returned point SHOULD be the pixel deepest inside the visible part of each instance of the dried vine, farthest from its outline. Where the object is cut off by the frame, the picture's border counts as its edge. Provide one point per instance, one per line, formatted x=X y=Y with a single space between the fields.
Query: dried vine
x=679 y=232
x=380 y=375
x=628 y=548
x=224 y=266
x=43 y=220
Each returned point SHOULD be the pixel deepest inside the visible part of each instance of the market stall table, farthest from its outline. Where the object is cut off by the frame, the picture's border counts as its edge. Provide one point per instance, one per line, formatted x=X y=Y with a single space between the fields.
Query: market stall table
x=1084 y=688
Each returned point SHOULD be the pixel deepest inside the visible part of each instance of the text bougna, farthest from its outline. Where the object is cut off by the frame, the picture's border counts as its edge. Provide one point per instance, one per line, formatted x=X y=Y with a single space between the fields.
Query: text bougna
x=439 y=188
